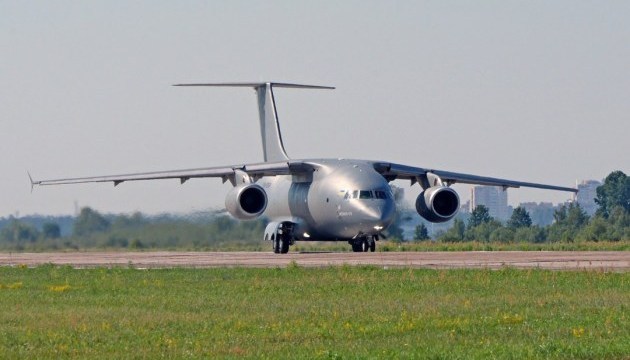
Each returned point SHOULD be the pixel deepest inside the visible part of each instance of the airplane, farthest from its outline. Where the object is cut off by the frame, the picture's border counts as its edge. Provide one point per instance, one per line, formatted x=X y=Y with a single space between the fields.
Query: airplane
x=317 y=199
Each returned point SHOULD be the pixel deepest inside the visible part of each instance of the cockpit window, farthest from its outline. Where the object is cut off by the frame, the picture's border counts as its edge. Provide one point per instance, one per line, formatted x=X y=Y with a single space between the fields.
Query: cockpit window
x=366 y=194
x=380 y=194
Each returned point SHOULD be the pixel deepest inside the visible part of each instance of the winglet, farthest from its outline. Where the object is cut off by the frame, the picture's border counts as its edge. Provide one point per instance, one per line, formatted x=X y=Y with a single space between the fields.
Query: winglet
x=33 y=183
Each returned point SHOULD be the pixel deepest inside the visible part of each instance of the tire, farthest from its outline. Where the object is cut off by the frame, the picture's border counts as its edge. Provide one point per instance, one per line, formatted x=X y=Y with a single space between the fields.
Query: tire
x=365 y=246
x=276 y=244
x=372 y=246
x=283 y=245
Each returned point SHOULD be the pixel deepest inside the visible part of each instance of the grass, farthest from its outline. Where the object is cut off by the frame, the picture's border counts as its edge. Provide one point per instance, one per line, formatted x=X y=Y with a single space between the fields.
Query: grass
x=337 y=312
x=383 y=245
x=470 y=246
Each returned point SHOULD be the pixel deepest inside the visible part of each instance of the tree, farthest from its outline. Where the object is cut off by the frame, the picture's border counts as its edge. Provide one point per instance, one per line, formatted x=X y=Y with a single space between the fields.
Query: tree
x=51 y=230
x=18 y=232
x=395 y=231
x=614 y=228
x=455 y=233
x=619 y=221
x=532 y=234
x=576 y=216
x=479 y=216
x=520 y=218
x=569 y=221
x=135 y=221
x=482 y=231
x=502 y=234
x=90 y=221
x=421 y=233
x=614 y=192
x=136 y=244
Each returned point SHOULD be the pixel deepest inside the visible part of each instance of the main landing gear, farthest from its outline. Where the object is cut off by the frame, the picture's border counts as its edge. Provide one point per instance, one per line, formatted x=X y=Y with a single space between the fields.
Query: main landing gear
x=282 y=239
x=364 y=244
x=281 y=236
x=281 y=244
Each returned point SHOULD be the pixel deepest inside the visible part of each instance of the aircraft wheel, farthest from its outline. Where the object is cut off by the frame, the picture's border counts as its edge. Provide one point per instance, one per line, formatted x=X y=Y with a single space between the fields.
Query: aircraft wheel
x=365 y=246
x=357 y=246
x=283 y=245
x=276 y=245
x=372 y=245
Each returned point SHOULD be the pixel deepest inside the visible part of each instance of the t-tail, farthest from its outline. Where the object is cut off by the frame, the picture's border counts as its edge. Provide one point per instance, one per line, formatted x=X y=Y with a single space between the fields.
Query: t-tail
x=273 y=148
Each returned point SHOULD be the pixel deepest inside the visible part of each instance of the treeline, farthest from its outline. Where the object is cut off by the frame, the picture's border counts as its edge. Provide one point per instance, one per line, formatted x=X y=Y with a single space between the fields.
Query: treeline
x=571 y=224
x=92 y=229
x=611 y=222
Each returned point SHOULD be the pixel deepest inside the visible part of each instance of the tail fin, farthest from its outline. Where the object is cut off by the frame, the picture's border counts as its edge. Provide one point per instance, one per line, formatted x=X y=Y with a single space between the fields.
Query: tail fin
x=273 y=148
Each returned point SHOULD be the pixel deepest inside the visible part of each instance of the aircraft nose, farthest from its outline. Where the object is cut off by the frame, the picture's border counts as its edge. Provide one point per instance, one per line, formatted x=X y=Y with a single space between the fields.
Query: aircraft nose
x=382 y=215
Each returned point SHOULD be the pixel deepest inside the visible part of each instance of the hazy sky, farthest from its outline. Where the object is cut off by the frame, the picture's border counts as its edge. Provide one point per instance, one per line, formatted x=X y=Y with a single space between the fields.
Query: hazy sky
x=526 y=90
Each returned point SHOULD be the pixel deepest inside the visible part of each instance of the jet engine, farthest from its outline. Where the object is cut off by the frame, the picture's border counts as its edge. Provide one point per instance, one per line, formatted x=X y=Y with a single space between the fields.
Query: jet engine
x=438 y=204
x=247 y=201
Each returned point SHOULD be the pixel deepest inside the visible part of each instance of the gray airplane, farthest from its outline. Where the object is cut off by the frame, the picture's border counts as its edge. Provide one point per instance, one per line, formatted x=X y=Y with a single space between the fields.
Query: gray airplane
x=318 y=199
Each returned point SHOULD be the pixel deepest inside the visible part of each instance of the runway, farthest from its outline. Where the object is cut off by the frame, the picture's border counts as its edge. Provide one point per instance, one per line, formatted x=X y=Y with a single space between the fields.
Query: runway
x=557 y=260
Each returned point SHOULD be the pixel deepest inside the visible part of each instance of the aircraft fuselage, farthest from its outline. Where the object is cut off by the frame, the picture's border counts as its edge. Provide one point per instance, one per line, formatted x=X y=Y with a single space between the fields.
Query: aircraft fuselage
x=341 y=200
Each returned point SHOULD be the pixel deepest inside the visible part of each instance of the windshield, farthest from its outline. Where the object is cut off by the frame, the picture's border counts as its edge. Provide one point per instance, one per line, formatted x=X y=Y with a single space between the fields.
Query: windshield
x=367 y=194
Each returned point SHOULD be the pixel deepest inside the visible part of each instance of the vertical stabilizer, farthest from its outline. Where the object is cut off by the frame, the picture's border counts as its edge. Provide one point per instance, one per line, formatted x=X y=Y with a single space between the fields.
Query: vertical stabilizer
x=273 y=148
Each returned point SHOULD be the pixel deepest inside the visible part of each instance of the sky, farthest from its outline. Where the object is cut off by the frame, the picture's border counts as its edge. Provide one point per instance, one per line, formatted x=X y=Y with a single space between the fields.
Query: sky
x=525 y=90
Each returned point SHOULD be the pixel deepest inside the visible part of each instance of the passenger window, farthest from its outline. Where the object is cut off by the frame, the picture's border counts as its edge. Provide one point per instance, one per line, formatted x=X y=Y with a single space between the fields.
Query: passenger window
x=365 y=194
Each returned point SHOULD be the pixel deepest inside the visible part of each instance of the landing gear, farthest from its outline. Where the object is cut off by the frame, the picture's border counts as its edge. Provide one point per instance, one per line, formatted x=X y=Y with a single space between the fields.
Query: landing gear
x=357 y=246
x=363 y=244
x=281 y=244
x=281 y=240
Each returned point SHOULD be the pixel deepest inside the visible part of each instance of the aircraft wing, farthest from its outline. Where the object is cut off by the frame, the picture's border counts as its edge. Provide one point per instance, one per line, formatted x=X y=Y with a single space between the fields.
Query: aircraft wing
x=393 y=171
x=256 y=171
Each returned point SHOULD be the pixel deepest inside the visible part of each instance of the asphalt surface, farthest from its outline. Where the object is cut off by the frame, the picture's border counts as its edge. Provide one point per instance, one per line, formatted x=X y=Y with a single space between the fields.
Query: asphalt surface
x=560 y=260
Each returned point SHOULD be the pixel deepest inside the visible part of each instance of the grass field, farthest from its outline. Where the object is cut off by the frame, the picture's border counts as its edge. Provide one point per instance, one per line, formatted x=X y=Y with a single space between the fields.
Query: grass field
x=389 y=246
x=339 y=312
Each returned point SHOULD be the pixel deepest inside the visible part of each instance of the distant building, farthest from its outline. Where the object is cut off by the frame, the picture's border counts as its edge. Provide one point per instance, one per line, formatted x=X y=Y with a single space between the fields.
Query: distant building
x=540 y=213
x=492 y=197
x=587 y=191
x=464 y=208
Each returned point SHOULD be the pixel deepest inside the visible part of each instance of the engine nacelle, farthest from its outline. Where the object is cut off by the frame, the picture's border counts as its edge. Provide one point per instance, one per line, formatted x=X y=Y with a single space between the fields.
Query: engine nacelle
x=438 y=204
x=246 y=202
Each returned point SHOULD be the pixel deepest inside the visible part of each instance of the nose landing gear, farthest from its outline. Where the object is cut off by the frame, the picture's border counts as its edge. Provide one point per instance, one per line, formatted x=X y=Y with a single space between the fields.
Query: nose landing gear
x=364 y=244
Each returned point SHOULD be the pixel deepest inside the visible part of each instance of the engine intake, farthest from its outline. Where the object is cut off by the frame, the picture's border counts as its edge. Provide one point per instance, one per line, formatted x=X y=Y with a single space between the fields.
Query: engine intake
x=246 y=202
x=438 y=204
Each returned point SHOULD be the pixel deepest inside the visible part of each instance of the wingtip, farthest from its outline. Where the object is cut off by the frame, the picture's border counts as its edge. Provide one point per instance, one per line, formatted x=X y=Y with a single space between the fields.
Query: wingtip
x=30 y=178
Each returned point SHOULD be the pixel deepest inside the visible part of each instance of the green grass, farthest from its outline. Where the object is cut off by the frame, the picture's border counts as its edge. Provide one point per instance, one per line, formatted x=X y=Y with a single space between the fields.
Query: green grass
x=338 y=312
x=343 y=246
x=387 y=246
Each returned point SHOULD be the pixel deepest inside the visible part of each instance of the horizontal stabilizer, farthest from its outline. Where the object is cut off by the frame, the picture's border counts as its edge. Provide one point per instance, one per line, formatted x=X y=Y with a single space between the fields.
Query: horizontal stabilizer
x=259 y=84
x=273 y=147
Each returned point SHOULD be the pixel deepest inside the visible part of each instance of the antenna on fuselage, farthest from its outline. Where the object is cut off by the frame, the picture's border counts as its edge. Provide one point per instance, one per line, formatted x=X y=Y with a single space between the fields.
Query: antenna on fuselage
x=273 y=147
